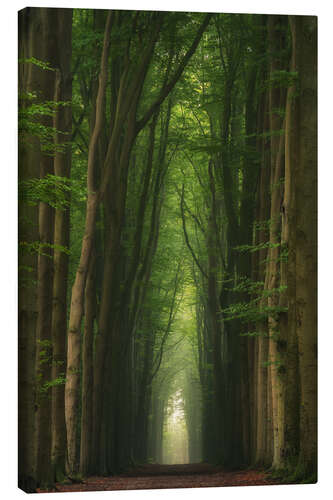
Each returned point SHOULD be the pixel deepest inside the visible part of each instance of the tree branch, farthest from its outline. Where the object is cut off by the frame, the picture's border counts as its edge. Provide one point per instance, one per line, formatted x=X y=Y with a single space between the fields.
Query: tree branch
x=167 y=88
x=186 y=235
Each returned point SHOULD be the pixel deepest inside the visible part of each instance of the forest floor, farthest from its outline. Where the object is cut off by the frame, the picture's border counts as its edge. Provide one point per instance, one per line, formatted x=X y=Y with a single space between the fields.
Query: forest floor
x=170 y=476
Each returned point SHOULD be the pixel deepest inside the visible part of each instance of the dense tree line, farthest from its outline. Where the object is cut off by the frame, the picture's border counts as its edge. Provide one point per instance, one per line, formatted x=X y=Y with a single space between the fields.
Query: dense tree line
x=167 y=227
x=252 y=327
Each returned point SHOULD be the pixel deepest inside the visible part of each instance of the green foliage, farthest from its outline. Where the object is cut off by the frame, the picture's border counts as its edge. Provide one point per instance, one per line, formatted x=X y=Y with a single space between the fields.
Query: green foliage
x=40 y=247
x=281 y=78
x=31 y=114
x=263 y=225
x=245 y=285
x=257 y=248
x=249 y=311
x=58 y=192
x=37 y=62
x=253 y=310
x=260 y=333
x=45 y=350
x=275 y=363
x=60 y=380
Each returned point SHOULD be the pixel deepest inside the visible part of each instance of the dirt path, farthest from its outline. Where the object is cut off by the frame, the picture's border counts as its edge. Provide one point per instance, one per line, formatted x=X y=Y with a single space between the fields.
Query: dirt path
x=170 y=476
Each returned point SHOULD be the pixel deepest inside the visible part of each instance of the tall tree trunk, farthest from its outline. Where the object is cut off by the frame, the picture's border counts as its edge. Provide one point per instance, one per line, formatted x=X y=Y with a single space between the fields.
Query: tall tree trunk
x=87 y=370
x=261 y=326
x=305 y=39
x=29 y=43
x=107 y=319
x=274 y=327
x=72 y=386
x=276 y=36
x=62 y=167
x=143 y=406
x=288 y=272
x=48 y=27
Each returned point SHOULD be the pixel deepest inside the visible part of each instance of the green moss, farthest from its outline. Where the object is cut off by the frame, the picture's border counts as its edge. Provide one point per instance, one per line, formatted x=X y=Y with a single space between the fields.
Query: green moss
x=295 y=472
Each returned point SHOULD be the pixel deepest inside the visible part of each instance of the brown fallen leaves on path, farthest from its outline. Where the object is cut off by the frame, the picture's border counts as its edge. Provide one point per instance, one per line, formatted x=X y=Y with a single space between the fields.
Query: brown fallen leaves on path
x=148 y=477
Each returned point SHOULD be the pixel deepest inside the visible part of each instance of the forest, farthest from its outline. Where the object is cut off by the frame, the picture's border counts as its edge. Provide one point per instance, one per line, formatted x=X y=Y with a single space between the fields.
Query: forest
x=167 y=219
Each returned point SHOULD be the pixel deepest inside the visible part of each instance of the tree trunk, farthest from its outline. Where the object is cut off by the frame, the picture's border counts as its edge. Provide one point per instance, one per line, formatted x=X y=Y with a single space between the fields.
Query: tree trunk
x=87 y=370
x=28 y=168
x=143 y=407
x=62 y=167
x=276 y=102
x=214 y=324
x=261 y=326
x=45 y=267
x=72 y=387
x=288 y=272
x=305 y=37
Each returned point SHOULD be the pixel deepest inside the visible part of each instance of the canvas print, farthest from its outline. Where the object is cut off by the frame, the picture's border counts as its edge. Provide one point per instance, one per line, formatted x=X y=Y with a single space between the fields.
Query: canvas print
x=167 y=249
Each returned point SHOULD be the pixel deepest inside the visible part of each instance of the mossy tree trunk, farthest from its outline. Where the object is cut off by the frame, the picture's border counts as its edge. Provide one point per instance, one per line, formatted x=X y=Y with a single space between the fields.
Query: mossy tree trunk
x=305 y=39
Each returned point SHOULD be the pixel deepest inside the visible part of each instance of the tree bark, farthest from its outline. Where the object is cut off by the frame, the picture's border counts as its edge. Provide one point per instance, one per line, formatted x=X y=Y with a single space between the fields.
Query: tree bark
x=28 y=168
x=305 y=37
x=88 y=371
x=288 y=271
x=62 y=168
x=276 y=102
x=262 y=235
x=72 y=386
x=49 y=35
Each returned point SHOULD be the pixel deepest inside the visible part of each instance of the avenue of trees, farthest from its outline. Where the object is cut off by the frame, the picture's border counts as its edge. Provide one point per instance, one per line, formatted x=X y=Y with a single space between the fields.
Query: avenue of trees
x=167 y=241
